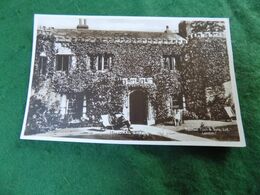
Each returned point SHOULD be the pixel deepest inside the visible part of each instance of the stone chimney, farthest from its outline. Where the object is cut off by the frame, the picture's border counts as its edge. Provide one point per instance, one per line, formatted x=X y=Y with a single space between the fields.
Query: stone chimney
x=83 y=26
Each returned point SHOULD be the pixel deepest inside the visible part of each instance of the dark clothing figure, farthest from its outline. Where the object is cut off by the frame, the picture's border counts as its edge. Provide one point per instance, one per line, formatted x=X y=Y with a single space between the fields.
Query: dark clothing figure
x=121 y=121
x=113 y=120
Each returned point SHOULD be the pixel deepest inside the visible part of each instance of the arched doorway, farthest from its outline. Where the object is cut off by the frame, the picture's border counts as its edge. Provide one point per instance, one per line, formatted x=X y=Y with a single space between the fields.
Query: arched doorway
x=138 y=107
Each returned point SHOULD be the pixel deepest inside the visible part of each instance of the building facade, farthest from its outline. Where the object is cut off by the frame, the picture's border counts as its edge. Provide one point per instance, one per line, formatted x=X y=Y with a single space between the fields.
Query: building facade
x=83 y=73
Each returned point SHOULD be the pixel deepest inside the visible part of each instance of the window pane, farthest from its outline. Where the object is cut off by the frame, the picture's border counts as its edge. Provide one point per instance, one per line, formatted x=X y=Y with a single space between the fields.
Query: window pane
x=92 y=63
x=106 y=58
x=166 y=62
x=99 y=62
x=75 y=106
x=169 y=62
x=110 y=61
x=59 y=62
x=71 y=107
x=65 y=63
x=88 y=62
x=43 y=66
x=177 y=102
x=172 y=67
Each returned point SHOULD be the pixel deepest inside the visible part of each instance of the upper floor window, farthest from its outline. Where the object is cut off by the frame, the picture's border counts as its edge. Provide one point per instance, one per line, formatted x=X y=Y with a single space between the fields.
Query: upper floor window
x=63 y=62
x=42 y=65
x=100 y=62
x=169 y=62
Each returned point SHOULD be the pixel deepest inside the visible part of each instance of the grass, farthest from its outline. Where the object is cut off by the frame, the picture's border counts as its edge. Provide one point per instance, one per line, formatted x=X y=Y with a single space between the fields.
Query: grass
x=220 y=133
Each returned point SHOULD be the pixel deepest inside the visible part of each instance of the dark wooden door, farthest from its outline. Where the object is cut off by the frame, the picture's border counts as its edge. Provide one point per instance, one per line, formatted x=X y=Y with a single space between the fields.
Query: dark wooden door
x=138 y=107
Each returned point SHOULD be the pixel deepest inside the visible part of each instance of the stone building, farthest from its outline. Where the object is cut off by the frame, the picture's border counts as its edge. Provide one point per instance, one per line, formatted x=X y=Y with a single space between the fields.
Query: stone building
x=76 y=62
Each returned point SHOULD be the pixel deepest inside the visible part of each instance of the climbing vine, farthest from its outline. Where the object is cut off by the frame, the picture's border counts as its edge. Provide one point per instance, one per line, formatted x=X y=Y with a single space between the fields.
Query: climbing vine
x=204 y=63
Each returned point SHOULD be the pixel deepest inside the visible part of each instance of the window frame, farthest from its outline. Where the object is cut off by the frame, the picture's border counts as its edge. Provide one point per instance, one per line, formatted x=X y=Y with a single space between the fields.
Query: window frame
x=68 y=65
x=171 y=64
x=100 y=62
x=42 y=68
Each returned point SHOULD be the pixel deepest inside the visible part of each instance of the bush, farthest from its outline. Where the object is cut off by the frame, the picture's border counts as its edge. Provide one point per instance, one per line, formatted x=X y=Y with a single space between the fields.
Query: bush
x=41 y=118
x=216 y=108
x=187 y=115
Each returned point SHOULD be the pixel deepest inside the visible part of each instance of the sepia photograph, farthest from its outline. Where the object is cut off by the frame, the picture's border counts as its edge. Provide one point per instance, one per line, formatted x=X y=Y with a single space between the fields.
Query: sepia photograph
x=133 y=80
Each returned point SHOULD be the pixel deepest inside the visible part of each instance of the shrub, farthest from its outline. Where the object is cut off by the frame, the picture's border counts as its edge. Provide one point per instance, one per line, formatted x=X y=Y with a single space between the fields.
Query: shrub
x=187 y=115
x=41 y=118
x=216 y=108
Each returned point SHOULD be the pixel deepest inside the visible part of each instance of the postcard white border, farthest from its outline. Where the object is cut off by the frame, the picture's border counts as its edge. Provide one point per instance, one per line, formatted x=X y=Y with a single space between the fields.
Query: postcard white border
x=240 y=143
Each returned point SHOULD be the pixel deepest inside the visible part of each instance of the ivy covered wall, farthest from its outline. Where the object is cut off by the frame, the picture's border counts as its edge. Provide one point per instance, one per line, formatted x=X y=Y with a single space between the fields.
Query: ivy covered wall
x=205 y=65
x=200 y=63
x=105 y=90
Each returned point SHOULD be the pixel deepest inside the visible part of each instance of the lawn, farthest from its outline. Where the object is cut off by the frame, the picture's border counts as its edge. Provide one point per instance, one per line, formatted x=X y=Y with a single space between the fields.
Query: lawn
x=220 y=133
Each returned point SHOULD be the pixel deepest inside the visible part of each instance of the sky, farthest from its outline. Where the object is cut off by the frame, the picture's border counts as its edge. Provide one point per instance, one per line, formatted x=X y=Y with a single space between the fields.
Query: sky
x=117 y=23
x=153 y=24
